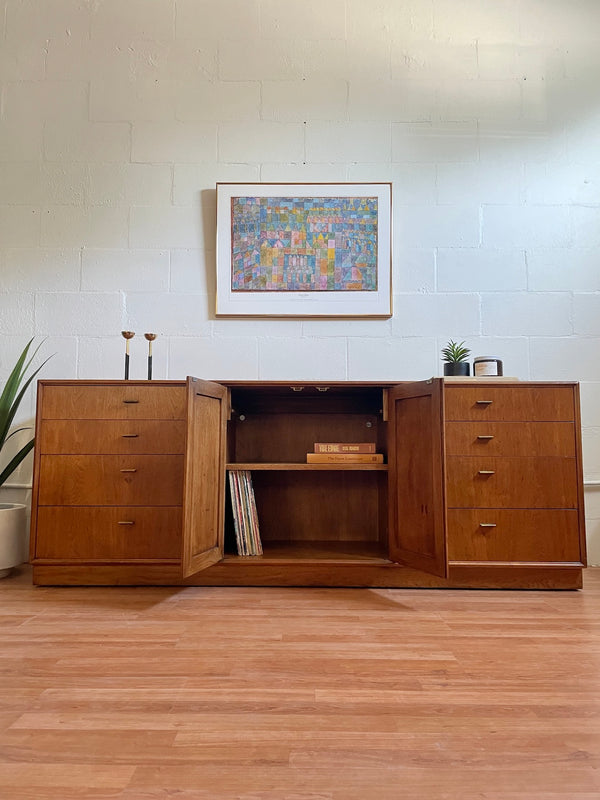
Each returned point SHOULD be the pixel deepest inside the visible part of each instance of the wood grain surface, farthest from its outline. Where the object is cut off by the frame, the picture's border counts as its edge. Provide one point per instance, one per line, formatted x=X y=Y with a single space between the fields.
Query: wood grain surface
x=131 y=400
x=490 y=482
x=535 y=402
x=215 y=693
x=510 y=438
x=111 y=480
x=101 y=436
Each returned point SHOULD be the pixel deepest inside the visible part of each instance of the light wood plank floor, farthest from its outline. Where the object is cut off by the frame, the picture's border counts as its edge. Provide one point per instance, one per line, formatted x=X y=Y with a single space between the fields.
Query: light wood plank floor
x=298 y=694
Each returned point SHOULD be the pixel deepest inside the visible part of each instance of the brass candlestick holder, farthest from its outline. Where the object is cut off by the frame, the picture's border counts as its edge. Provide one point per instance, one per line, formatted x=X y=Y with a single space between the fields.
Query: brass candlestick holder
x=150 y=337
x=127 y=335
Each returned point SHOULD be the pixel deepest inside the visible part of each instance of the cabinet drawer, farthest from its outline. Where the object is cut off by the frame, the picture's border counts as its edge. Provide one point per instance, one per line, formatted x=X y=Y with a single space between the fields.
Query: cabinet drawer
x=111 y=480
x=511 y=482
x=81 y=436
x=116 y=401
x=520 y=403
x=507 y=535
x=121 y=533
x=510 y=438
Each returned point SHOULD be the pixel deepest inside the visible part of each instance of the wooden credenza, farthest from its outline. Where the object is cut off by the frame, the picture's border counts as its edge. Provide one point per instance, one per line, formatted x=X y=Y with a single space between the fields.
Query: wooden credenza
x=481 y=484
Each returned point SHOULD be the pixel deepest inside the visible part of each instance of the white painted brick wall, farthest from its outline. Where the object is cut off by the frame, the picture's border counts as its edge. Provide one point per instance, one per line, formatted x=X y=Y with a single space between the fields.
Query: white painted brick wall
x=530 y=313
x=301 y=358
x=468 y=269
x=171 y=141
x=220 y=357
x=296 y=101
x=435 y=143
x=16 y=313
x=117 y=118
x=437 y=226
x=40 y=269
x=77 y=313
x=233 y=19
x=84 y=226
x=436 y=315
x=586 y=314
x=523 y=226
x=563 y=269
x=130 y=270
x=415 y=357
x=261 y=141
x=168 y=314
x=19 y=226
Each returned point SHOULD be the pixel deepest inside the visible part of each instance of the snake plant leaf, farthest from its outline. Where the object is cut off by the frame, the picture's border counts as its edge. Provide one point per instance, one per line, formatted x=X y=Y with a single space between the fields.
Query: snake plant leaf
x=14 y=462
x=14 y=390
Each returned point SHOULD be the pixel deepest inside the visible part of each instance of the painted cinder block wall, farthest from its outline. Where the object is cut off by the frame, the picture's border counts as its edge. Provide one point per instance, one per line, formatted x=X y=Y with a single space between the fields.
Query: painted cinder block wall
x=117 y=117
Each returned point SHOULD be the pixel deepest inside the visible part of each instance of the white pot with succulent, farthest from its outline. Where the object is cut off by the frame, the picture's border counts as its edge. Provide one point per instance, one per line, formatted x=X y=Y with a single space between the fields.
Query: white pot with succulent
x=13 y=515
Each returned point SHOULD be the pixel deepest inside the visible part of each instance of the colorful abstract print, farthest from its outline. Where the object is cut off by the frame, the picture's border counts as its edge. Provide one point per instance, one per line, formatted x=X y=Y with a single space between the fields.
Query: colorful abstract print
x=301 y=244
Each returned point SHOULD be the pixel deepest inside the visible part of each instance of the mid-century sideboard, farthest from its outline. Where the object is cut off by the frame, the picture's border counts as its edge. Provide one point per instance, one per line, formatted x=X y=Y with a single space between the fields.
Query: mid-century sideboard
x=481 y=484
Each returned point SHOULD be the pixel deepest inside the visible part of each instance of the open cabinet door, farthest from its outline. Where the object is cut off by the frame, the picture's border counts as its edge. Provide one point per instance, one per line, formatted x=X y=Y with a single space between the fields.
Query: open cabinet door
x=204 y=487
x=417 y=528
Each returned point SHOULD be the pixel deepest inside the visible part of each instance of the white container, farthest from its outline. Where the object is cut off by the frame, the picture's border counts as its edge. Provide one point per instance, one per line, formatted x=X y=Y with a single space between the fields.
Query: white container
x=13 y=522
x=487 y=366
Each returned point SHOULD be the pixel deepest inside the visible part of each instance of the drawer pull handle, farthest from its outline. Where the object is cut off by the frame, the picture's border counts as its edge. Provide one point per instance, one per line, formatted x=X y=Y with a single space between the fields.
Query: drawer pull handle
x=125 y=522
x=486 y=437
x=297 y=388
x=483 y=402
x=487 y=524
x=130 y=435
x=131 y=401
x=487 y=471
x=129 y=470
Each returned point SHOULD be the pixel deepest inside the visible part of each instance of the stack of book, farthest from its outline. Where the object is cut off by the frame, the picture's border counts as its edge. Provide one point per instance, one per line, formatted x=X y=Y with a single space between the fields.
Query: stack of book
x=245 y=518
x=344 y=453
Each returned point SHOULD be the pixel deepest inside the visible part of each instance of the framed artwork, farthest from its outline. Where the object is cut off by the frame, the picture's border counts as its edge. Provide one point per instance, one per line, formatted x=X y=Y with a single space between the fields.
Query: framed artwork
x=304 y=249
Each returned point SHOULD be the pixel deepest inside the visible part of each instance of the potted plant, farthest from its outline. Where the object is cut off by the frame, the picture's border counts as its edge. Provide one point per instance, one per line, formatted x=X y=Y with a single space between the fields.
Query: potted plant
x=13 y=515
x=455 y=359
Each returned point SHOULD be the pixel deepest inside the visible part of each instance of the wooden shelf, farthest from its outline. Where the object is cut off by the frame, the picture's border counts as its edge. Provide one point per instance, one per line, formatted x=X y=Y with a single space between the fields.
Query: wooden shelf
x=283 y=466
x=295 y=551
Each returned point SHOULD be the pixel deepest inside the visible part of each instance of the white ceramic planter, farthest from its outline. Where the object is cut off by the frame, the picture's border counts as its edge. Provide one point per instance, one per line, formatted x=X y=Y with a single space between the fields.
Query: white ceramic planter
x=13 y=522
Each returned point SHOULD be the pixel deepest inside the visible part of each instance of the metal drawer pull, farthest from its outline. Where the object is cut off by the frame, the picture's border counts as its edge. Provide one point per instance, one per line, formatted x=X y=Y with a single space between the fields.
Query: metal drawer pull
x=131 y=401
x=484 y=402
x=125 y=522
x=487 y=524
x=129 y=435
x=487 y=471
x=487 y=437
x=129 y=470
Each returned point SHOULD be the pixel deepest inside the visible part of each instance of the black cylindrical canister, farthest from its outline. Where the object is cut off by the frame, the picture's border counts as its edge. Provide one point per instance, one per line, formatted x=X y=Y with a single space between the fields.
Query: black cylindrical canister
x=487 y=365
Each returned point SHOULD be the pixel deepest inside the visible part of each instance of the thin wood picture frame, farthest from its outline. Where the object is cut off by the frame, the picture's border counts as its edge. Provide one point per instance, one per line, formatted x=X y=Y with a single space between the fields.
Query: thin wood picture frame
x=304 y=250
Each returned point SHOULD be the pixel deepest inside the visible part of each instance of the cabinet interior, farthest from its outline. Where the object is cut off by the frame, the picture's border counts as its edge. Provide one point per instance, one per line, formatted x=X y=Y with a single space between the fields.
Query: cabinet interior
x=310 y=511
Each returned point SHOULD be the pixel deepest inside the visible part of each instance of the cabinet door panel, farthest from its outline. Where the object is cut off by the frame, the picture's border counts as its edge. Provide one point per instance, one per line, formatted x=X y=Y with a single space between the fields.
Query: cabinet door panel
x=510 y=439
x=417 y=535
x=87 y=436
x=511 y=482
x=79 y=533
x=509 y=535
x=123 y=400
x=511 y=403
x=111 y=480
x=204 y=492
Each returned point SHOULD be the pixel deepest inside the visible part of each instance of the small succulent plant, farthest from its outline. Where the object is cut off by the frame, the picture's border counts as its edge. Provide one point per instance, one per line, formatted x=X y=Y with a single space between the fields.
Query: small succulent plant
x=454 y=353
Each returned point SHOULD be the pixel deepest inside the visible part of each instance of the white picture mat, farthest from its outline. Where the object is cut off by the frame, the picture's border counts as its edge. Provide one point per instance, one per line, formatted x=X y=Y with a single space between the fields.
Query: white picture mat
x=304 y=304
